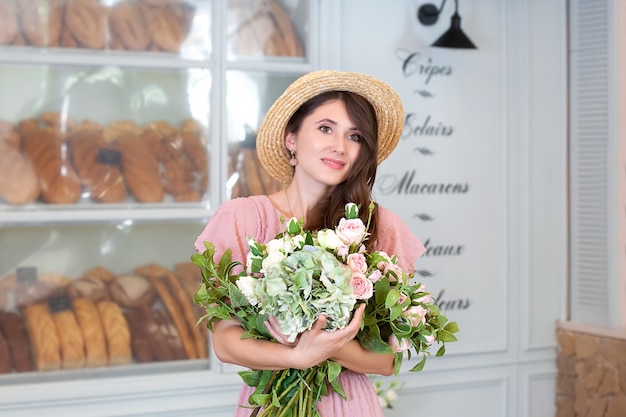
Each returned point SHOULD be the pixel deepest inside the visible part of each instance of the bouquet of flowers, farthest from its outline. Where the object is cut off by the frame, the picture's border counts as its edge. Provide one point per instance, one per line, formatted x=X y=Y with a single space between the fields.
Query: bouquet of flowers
x=300 y=275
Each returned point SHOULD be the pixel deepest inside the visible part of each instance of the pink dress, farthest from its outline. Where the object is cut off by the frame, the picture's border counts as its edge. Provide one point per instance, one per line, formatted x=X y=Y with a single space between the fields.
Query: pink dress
x=237 y=220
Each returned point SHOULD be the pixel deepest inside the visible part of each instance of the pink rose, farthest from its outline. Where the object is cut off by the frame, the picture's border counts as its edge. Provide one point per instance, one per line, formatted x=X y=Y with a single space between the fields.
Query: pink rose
x=363 y=287
x=342 y=250
x=357 y=262
x=402 y=298
x=375 y=276
x=430 y=339
x=423 y=299
x=351 y=231
x=399 y=346
x=416 y=315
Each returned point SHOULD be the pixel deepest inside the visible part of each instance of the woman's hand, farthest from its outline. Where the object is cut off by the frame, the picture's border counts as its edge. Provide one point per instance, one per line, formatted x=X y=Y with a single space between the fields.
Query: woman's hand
x=316 y=345
x=272 y=326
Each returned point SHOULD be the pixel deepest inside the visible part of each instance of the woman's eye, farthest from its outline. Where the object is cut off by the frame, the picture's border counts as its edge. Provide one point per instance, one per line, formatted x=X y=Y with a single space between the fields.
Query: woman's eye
x=325 y=129
x=355 y=138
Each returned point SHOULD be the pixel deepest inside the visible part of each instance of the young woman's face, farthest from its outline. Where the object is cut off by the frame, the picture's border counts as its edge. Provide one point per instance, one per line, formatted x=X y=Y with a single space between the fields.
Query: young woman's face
x=327 y=144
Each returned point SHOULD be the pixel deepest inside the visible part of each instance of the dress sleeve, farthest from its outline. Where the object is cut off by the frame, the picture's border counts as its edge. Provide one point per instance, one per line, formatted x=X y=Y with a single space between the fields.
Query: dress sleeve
x=395 y=238
x=230 y=227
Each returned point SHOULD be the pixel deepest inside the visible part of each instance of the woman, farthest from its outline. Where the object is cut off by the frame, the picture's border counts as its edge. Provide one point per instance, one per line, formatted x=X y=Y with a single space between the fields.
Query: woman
x=323 y=137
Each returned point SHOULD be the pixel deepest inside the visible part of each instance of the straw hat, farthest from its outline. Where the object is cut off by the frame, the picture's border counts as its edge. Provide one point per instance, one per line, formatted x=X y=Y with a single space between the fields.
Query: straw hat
x=270 y=143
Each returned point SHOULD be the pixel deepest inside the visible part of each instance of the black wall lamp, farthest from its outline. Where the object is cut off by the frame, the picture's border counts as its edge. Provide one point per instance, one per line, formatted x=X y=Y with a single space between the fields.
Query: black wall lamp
x=454 y=37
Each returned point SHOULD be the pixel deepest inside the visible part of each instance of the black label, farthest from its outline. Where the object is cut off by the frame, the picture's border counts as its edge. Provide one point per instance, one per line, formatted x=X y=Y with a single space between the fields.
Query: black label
x=109 y=157
x=59 y=303
x=26 y=275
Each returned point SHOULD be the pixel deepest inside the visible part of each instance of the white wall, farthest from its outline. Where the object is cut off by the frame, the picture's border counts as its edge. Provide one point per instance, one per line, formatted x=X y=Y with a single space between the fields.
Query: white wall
x=504 y=108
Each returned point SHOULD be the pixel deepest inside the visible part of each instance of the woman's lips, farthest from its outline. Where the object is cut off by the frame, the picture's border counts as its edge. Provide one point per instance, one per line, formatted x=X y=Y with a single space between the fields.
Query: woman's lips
x=333 y=163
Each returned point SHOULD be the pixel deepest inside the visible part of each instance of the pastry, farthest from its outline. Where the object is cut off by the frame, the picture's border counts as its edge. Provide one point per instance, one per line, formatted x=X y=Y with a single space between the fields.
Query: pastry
x=131 y=290
x=15 y=332
x=8 y=22
x=98 y=166
x=116 y=331
x=46 y=152
x=139 y=340
x=88 y=318
x=140 y=168
x=72 y=345
x=18 y=182
x=44 y=342
x=89 y=287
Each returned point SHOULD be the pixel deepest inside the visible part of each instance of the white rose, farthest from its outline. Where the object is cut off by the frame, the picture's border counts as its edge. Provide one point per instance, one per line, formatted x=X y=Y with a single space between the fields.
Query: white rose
x=272 y=258
x=328 y=239
x=247 y=286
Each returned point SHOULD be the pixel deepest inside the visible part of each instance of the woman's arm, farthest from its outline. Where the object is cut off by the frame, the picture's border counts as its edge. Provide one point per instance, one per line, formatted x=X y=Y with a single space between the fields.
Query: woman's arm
x=314 y=346
x=358 y=359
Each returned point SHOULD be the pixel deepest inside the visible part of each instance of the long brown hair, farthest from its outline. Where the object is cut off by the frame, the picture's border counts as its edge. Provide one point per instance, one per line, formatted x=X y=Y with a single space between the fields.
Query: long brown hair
x=357 y=188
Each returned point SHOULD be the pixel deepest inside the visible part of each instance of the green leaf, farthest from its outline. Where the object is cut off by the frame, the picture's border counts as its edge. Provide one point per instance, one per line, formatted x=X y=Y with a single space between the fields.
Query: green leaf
x=373 y=342
x=237 y=299
x=336 y=385
x=396 y=311
x=275 y=401
x=392 y=298
x=260 y=399
x=397 y=363
x=420 y=365
x=251 y=378
x=451 y=327
x=334 y=369
x=381 y=289
x=441 y=351
x=446 y=336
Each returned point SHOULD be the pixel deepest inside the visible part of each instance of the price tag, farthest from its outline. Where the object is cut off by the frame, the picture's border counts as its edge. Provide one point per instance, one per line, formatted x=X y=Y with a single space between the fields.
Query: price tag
x=26 y=275
x=59 y=303
x=109 y=157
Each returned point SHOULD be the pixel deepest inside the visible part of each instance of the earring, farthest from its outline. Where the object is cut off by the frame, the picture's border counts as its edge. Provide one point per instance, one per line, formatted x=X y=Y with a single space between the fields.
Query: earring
x=293 y=161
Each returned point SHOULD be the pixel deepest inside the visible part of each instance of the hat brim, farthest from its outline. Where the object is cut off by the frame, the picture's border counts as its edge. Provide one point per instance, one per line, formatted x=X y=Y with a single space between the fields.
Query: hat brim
x=270 y=141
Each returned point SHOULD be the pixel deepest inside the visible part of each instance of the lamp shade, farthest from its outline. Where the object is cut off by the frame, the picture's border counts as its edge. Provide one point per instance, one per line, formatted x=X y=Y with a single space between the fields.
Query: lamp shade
x=454 y=37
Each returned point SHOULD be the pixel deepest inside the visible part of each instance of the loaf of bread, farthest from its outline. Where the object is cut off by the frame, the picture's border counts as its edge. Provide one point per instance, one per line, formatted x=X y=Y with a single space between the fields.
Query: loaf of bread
x=15 y=332
x=187 y=309
x=116 y=331
x=18 y=181
x=158 y=341
x=168 y=23
x=32 y=23
x=132 y=290
x=100 y=273
x=44 y=341
x=8 y=22
x=139 y=339
x=169 y=329
x=97 y=165
x=87 y=23
x=72 y=345
x=140 y=168
x=88 y=318
x=174 y=310
x=56 y=11
x=129 y=28
x=89 y=287
x=47 y=152
x=6 y=364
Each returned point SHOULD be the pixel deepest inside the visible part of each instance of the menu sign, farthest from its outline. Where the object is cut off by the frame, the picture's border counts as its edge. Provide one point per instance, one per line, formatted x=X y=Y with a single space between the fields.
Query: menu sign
x=446 y=179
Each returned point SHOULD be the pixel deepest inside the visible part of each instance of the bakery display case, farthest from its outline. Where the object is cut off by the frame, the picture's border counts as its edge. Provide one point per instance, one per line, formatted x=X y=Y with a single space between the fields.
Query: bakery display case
x=123 y=125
